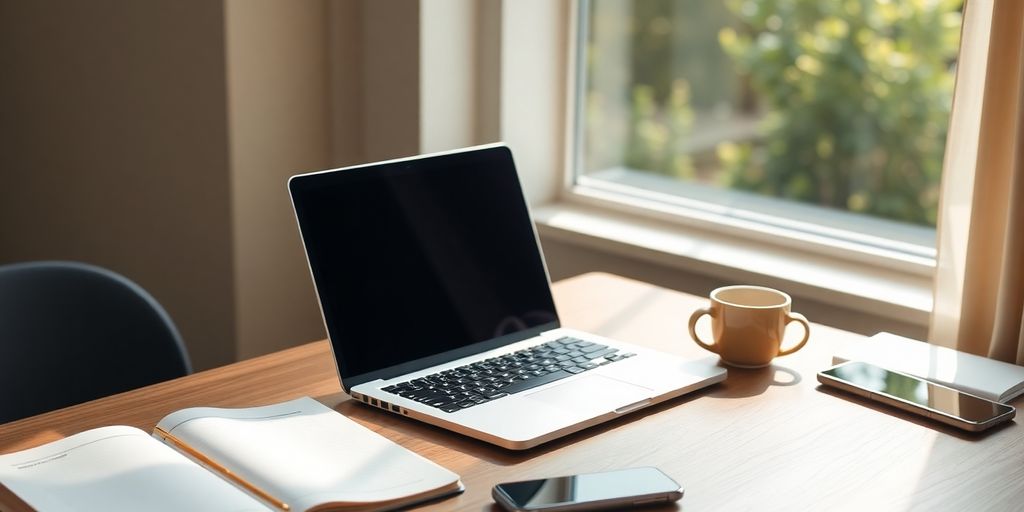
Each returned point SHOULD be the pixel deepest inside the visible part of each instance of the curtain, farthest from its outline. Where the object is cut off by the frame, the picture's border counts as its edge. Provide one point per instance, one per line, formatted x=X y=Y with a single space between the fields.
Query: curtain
x=979 y=282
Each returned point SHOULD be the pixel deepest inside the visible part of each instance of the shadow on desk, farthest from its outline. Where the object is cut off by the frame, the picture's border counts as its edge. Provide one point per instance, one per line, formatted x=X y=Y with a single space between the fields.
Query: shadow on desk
x=913 y=418
x=414 y=429
x=748 y=382
x=741 y=383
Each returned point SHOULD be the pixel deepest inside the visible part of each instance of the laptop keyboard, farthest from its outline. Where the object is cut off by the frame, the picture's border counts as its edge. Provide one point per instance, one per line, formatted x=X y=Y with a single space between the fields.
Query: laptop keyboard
x=490 y=379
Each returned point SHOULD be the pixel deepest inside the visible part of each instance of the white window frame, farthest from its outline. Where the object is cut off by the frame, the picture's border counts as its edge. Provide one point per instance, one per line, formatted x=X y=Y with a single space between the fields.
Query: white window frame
x=804 y=236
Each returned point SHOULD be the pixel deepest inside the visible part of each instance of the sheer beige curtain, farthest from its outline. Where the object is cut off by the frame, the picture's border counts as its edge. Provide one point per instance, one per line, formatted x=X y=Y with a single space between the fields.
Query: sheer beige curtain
x=979 y=284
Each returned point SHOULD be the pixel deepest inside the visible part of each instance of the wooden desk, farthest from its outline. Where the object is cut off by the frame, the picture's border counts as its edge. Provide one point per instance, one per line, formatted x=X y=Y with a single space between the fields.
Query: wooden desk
x=768 y=439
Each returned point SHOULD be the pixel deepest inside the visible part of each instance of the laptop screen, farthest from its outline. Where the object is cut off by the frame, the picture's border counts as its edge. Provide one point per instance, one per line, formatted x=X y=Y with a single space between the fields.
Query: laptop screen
x=422 y=260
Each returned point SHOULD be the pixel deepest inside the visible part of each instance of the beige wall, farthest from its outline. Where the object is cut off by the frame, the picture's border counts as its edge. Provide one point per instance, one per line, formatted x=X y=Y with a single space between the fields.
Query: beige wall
x=389 y=69
x=113 y=151
x=345 y=55
x=277 y=69
x=156 y=138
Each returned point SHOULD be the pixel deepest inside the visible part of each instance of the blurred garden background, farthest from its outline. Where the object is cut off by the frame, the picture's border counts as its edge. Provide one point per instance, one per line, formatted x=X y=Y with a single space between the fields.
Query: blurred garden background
x=843 y=104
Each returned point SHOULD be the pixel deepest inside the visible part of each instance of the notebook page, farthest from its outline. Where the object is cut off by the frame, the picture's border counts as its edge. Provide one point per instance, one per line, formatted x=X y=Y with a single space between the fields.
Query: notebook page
x=117 y=469
x=307 y=454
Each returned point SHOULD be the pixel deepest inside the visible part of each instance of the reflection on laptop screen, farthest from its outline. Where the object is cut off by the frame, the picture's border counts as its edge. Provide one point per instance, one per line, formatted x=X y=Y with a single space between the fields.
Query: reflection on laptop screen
x=418 y=257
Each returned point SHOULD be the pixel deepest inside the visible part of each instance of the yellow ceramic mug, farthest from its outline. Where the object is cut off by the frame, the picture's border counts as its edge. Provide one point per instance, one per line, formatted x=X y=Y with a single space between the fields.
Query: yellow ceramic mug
x=747 y=324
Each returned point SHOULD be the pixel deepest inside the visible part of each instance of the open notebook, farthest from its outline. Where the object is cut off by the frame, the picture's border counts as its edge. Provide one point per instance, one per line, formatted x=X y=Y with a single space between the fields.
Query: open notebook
x=296 y=455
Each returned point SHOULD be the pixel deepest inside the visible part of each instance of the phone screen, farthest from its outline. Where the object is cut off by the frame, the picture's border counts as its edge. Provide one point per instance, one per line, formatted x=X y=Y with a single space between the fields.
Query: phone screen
x=918 y=391
x=628 y=483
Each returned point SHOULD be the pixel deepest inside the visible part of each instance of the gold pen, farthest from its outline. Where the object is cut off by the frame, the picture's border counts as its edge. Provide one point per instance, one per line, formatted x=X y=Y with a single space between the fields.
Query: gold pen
x=223 y=470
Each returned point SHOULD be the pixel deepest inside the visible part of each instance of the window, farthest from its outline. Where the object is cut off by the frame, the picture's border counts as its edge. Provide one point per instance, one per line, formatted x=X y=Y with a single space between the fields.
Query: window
x=825 y=121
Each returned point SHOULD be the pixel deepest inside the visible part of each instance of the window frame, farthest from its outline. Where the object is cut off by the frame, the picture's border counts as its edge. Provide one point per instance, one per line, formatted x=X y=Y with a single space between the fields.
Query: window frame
x=911 y=259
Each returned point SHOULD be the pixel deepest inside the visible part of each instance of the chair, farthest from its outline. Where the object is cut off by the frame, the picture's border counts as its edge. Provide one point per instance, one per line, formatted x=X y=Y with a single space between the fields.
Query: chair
x=71 y=332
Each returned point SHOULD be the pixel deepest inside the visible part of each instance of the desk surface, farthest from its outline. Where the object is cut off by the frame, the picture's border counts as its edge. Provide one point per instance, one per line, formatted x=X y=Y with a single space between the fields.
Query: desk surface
x=768 y=439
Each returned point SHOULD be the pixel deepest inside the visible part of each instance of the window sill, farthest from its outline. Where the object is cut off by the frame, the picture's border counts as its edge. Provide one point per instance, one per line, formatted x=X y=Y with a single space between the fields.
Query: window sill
x=888 y=293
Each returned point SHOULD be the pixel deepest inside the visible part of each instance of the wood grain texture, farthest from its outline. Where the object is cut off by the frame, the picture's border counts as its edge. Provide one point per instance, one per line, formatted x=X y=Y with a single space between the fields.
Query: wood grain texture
x=768 y=439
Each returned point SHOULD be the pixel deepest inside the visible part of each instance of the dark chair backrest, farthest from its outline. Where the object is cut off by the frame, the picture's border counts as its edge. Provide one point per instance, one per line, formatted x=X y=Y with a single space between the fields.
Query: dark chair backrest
x=71 y=332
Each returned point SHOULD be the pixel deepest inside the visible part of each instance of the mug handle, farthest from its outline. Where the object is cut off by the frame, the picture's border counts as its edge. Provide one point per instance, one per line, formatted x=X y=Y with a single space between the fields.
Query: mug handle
x=797 y=317
x=693 y=329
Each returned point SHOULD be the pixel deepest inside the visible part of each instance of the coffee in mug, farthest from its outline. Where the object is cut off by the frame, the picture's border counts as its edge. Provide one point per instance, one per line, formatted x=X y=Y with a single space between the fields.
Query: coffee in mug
x=748 y=324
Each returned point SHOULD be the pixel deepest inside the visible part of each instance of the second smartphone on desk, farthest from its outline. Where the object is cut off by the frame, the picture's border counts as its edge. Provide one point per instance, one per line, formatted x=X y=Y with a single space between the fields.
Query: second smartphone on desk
x=610 y=490
x=921 y=397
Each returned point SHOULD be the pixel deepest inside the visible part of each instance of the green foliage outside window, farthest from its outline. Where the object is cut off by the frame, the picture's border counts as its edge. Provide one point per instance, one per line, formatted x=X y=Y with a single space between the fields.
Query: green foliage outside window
x=853 y=99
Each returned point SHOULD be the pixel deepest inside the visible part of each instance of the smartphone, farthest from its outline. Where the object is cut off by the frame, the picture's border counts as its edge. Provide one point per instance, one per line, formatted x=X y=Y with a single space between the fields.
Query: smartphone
x=593 y=491
x=912 y=394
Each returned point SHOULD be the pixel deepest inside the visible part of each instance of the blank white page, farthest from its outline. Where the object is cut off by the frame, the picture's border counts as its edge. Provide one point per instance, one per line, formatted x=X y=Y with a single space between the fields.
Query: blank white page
x=117 y=469
x=306 y=454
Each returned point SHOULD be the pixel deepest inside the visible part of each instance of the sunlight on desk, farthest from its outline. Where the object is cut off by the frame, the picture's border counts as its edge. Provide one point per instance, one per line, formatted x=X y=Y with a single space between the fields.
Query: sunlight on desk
x=36 y=439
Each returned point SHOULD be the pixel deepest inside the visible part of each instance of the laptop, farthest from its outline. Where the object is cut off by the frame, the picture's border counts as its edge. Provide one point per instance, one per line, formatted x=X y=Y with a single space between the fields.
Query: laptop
x=438 y=305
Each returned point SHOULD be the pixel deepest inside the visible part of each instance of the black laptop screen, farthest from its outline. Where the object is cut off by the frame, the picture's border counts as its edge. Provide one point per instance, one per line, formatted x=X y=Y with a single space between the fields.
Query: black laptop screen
x=421 y=257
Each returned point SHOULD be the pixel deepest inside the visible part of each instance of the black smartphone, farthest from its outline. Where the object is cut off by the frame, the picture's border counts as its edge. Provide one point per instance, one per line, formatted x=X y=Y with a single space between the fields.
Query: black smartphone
x=918 y=396
x=593 y=491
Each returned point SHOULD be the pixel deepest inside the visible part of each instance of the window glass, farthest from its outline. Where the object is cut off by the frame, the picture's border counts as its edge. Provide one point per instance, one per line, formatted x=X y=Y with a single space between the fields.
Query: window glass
x=831 y=112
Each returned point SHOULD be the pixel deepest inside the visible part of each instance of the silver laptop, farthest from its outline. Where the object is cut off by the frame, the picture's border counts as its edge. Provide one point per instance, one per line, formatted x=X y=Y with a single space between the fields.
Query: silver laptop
x=438 y=305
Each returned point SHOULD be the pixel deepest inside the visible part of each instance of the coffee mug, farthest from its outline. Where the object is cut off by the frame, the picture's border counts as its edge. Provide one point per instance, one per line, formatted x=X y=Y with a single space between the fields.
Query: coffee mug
x=747 y=325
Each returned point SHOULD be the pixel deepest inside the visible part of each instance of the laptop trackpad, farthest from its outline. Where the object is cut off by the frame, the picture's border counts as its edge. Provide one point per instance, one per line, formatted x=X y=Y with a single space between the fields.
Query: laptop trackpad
x=592 y=393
